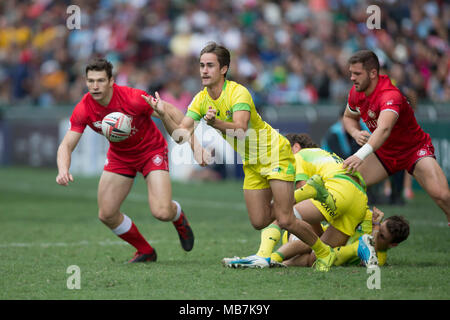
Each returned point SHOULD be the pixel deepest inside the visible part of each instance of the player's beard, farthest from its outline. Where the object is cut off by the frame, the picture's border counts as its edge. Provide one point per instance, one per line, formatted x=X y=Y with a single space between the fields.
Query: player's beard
x=362 y=86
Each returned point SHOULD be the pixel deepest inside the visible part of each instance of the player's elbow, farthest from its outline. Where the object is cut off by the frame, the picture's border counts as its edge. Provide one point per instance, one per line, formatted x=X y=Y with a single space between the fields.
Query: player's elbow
x=240 y=131
x=64 y=149
x=181 y=135
x=384 y=131
x=349 y=123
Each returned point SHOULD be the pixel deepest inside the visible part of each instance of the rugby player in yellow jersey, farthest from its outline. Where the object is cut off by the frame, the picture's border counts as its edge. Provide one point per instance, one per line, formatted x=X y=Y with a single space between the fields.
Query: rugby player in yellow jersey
x=348 y=191
x=268 y=162
x=368 y=245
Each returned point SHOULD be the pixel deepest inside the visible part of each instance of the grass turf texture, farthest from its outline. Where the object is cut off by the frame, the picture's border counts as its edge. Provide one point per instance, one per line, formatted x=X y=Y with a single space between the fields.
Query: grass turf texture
x=46 y=228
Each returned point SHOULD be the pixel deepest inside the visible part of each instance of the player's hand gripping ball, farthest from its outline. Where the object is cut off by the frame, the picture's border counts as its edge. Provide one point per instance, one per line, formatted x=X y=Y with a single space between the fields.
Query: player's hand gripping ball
x=116 y=126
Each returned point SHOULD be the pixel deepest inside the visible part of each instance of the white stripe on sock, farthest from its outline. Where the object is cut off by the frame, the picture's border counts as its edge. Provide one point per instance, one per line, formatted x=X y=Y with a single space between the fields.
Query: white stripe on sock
x=124 y=227
x=297 y=214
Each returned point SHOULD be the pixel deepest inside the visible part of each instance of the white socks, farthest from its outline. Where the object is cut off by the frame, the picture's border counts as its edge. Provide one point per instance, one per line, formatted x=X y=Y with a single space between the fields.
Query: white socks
x=124 y=226
x=177 y=216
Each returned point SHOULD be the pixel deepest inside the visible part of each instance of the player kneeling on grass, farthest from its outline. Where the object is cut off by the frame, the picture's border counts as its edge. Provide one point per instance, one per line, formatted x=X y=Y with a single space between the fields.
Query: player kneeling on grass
x=368 y=246
x=144 y=151
x=325 y=192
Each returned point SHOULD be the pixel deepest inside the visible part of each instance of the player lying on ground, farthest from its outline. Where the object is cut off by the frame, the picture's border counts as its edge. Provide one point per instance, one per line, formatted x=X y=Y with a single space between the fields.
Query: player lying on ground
x=343 y=203
x=144 y=151
x=368 y=246
x=397 y=141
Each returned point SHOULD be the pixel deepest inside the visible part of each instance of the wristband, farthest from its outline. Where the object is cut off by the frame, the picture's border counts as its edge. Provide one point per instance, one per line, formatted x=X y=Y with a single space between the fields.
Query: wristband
x=364 y=151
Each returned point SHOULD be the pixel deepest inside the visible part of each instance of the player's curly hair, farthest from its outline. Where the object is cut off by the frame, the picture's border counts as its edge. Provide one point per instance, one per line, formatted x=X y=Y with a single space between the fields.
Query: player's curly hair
x=398 y=227
x=303 y=139
x=100 y=64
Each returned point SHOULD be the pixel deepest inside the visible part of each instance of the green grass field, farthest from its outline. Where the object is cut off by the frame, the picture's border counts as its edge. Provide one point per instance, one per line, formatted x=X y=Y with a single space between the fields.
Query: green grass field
x=47 y=228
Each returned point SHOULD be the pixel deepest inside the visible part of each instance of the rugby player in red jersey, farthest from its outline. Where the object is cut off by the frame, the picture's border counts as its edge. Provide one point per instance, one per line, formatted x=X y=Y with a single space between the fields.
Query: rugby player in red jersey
x=144 y=151
x=396 y=142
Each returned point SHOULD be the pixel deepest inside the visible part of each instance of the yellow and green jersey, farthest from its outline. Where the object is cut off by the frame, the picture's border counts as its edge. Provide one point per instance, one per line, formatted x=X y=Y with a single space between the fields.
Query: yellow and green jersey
x=262 y=143
x=311 y=161
x=365 y=227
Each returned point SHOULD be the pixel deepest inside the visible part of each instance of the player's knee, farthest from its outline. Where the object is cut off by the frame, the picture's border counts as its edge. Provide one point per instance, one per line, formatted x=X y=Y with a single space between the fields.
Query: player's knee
x=440 y=195
x=163 y=213
x=259 y=225
x=311 y=259
x=108 y=218
x=286 y=222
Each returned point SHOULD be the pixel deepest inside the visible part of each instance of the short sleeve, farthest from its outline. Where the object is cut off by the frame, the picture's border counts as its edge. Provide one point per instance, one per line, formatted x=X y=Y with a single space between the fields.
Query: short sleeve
x=78 y=120
x=138 y=102
x=300 y=173
x=391 y=100
x=194 y=110
x=242 y=99
x=351 y=102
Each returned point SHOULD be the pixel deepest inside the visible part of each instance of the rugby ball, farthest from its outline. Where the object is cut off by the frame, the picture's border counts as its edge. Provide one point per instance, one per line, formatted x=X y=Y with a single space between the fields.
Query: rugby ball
x=116 y=126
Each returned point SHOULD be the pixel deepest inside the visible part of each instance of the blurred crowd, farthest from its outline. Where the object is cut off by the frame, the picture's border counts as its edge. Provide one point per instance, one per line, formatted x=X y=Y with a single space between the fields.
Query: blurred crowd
x=287 y=52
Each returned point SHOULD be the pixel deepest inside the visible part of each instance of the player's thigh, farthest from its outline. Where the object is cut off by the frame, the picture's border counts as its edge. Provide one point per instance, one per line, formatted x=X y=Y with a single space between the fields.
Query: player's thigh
x=259 y=207
x=333 y=237
x=372 y=170
x=309 y=212
x=283 y=198
x=430 y=176
x=159 y=188
x=113 y=188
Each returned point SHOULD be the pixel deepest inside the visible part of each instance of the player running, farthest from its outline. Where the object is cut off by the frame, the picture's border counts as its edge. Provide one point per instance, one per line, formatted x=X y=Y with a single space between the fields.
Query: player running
x=144 y=151
x=397 y=141
x=268 y=161
x=315 y=166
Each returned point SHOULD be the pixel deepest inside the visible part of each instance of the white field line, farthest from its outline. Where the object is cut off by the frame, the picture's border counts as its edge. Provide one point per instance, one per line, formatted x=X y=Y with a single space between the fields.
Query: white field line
x=91 y=194
x=83 y=243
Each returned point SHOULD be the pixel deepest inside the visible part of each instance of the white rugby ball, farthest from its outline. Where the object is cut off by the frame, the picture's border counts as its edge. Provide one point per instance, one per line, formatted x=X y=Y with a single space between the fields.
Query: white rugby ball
x=116 y=126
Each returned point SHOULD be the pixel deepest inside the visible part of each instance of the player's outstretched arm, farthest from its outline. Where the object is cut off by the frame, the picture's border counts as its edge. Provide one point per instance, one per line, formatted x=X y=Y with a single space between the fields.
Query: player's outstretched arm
x=64 y=155
x=178 y=126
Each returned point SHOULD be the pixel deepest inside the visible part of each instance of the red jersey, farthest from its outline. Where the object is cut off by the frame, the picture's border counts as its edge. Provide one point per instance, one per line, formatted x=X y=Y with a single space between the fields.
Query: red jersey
x=406 y=134
x=145 y=137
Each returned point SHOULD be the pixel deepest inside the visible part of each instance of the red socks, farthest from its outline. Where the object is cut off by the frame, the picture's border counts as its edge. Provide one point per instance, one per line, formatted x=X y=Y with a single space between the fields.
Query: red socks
x=128 y=232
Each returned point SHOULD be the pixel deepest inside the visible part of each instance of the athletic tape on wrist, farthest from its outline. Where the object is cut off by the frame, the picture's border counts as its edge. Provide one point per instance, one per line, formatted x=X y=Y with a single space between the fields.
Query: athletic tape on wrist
x=364 y=151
